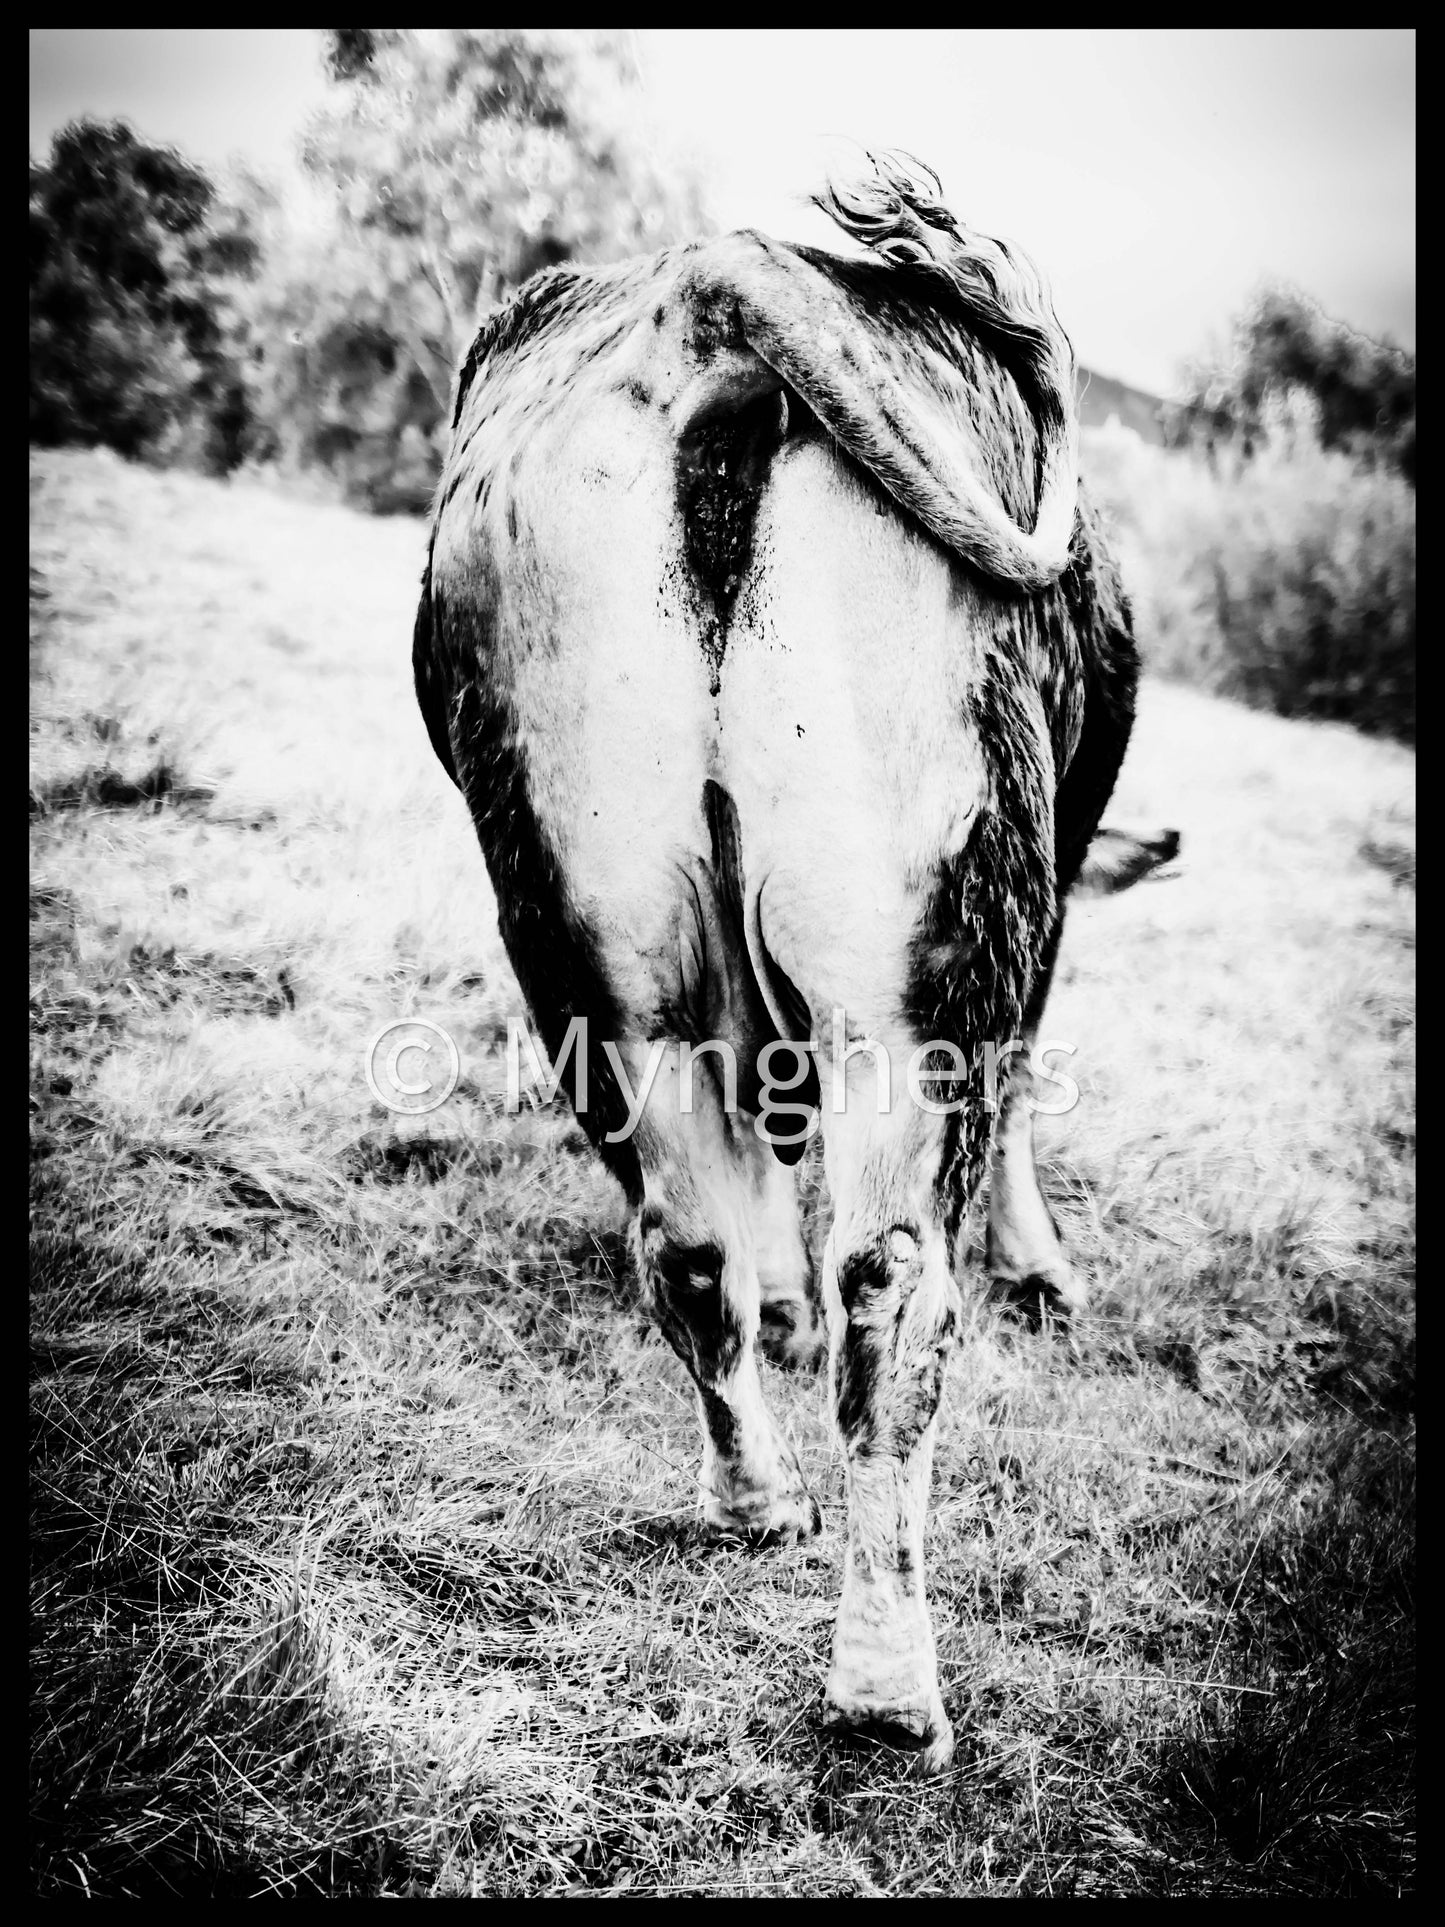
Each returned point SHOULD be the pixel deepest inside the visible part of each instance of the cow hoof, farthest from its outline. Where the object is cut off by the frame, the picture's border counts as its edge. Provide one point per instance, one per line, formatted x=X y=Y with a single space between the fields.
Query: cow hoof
x=785 y=1521
x=1055 y=1291
x=791 y=1338
x=921 y=1729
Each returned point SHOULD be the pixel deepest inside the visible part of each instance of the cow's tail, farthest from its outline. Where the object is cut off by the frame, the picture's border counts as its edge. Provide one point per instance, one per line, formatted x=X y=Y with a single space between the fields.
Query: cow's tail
x=894 y=395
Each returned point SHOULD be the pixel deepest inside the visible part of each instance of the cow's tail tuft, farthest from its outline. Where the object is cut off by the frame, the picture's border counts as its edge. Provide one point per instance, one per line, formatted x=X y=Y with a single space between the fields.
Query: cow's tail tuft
x=995 y=292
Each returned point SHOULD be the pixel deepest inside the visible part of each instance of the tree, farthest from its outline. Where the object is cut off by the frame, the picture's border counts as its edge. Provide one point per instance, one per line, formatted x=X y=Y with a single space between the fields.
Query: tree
x=128 y=343
x=457 y=163
x=1363 y=390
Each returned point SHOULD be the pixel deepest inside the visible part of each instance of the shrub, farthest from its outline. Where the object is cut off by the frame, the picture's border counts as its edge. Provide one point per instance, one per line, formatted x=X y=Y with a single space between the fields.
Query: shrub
x=1287 y=581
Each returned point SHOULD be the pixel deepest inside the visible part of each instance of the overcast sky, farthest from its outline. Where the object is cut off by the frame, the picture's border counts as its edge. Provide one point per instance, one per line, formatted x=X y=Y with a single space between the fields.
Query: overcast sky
x=1157 y=177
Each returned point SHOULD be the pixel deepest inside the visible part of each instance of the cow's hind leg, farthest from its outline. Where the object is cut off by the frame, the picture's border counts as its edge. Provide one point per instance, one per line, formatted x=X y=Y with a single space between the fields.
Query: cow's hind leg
x=1027 y=1264
x=1025 y=1255
x=698 y=1257
x=793 y=1330
x=892 y=1310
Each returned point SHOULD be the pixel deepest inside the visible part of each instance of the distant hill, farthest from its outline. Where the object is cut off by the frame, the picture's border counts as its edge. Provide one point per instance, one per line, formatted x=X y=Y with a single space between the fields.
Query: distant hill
x=1100 y=396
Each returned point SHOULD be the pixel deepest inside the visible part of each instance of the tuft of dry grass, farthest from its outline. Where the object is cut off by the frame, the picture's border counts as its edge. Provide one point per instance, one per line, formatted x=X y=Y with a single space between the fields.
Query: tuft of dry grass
x=363 y=1551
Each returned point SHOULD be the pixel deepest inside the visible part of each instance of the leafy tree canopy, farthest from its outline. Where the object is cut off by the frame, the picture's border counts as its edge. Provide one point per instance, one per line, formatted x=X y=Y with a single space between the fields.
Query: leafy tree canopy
x=177 y=321
x=468 y=159
x=129 y=271
x=1364 y=390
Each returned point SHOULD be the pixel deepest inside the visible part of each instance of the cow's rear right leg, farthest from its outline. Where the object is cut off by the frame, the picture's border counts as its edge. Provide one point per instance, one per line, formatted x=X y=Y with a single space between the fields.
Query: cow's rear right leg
x=1027 y=1263
x=893 y=1309
x=698 y=1258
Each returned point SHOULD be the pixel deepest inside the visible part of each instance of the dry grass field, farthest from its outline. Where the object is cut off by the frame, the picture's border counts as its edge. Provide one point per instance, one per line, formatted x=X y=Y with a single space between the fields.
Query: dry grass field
x=363 y=1557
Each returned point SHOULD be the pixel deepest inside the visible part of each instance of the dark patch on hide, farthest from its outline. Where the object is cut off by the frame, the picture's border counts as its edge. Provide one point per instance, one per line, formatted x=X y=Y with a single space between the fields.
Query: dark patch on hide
x=979 y=942
x=529 y=313
x=861 y=1362
x=860 y=1275
x=721 y=1422
x=854 y=1387
x=879 y=1409
x=685 y=1291
x=686 y=1296
x=552 y=951
x=722 y=467
x=685 y=1274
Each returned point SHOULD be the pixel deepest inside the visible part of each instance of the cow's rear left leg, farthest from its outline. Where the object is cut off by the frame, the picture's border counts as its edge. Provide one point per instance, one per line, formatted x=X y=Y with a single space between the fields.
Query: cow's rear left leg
x=1026 y=1260
x=698 y=1257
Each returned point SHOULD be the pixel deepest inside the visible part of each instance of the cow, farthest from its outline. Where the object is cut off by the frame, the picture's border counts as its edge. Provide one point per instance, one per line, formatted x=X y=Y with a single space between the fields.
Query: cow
x=785 y=671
